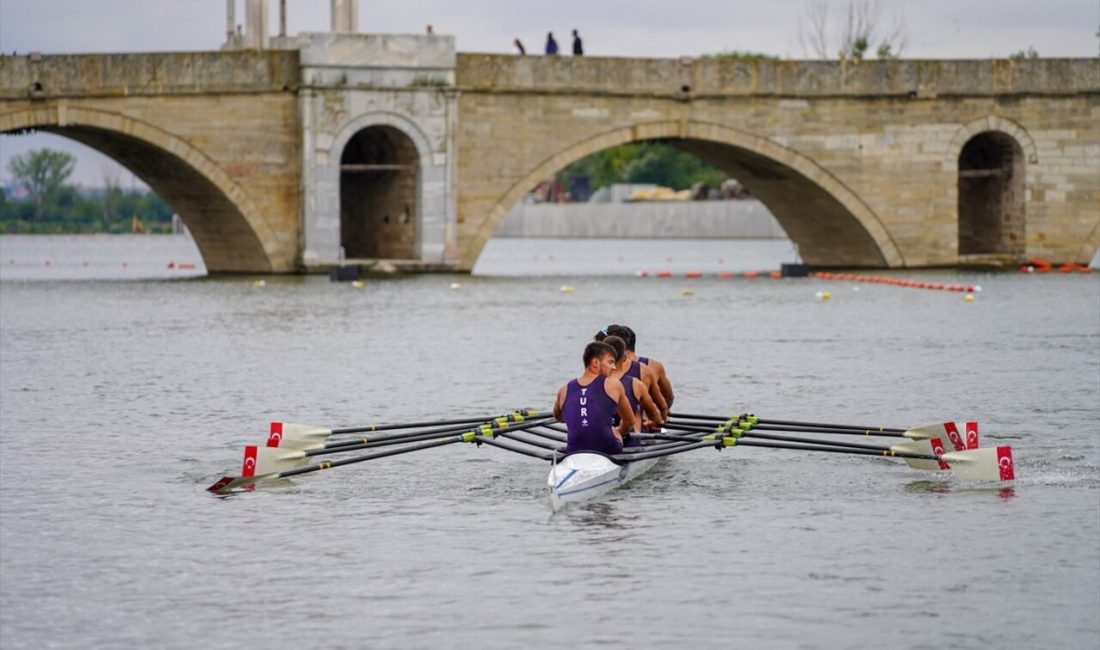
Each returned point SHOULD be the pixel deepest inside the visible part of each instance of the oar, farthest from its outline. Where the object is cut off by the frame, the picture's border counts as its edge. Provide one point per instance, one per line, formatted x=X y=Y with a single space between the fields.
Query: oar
x=250 y=475
x=277 y=459
x=717 y=418
x=228 y=483
x=917 y=433
x=386 y=439
x=989 y=464
x=308 y=436
x=628 y=452
x=915 y=446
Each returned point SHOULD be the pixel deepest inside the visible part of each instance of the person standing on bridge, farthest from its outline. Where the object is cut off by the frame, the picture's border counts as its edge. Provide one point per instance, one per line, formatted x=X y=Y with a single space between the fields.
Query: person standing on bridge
x=578 y=47
x=588 y=403
x=551 y=44
x=519 y=47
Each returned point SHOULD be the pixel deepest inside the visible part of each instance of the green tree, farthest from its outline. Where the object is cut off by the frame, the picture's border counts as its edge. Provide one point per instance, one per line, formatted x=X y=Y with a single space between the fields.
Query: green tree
x=644 y=162
x=43 y=172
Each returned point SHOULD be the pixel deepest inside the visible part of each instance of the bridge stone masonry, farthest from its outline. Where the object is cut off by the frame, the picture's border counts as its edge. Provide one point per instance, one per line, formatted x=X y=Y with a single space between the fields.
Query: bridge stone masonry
x=351 y=148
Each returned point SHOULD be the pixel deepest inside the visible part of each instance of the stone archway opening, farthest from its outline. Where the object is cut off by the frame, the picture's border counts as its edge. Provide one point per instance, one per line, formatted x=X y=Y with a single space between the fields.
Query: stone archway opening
x=831 y=225
x=991 y=196
x=379 y=190
x=225 y=239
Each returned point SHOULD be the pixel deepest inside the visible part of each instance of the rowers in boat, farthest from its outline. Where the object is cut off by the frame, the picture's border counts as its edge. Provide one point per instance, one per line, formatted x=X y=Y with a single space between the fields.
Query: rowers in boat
x=594 y=462
x=643 y=370
x=588 y=405
x=636 y=393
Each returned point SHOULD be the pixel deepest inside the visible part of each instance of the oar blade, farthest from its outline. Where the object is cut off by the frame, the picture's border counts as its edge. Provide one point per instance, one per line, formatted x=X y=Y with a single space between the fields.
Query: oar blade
x=260 y=463
x=297 y=436
x=988 y=464
x=919 y=447
x=228 y=484
x=945 y=430
x=270 y=460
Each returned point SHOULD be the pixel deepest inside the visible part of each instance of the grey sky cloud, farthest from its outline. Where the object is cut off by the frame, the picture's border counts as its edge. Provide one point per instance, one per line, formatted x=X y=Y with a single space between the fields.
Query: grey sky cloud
x=941 y=29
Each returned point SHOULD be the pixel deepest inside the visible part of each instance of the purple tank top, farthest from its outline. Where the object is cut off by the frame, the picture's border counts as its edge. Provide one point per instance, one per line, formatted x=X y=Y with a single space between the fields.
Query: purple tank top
x=587 y=412
x=628 y=386
x=644 y=360
x=634 y=371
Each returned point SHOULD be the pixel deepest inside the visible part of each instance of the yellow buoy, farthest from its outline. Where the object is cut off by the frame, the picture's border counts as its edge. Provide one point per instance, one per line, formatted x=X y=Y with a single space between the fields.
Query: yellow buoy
x=687 y=292
x=968 y=298
x=566 y=288
x=259 y=283
x=358 y=284
x=455 y=286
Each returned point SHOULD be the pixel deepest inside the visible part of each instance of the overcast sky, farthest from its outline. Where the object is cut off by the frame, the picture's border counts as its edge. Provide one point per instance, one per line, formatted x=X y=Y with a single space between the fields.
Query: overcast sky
x=940 y=29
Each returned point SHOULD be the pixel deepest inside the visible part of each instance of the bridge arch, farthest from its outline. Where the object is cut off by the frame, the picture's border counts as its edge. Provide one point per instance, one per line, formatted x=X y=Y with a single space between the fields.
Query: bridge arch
x=411 y=148
x=990 y=123
x=825 y=217
x=228 y=229
x=990 y=155
x=991 y=187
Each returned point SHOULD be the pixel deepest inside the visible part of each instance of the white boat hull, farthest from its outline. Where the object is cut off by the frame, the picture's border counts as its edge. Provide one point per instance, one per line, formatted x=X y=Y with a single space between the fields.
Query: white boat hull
x=582 y=477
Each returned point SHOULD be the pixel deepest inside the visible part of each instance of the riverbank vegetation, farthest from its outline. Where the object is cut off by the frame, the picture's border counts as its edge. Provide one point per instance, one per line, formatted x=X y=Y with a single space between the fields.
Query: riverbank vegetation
x=643 y=162
x=42 y=201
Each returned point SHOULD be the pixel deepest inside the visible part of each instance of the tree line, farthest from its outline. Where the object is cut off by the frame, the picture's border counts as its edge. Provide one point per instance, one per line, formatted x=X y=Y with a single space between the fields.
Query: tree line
x=643 y=162
x=51 y=205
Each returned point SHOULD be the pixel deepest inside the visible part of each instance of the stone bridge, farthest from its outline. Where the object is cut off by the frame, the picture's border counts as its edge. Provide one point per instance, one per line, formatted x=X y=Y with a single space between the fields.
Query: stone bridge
x=355 y=147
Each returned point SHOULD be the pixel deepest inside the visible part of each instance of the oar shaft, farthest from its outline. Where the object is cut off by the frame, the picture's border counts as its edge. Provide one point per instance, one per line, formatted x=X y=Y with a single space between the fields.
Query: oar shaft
x=769 y=436
x=378 y=454
x=798 y=429
x=401 y=450
x=411 y=425
x=519 y=449
x=383 y=441
x=633 y=450
x=850 y=427
x=836 y=450
x=667 y=451
x=543 y=443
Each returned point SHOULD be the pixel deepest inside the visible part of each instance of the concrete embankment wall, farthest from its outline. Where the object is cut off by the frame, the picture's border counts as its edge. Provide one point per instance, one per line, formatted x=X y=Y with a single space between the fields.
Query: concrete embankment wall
x=746 y=219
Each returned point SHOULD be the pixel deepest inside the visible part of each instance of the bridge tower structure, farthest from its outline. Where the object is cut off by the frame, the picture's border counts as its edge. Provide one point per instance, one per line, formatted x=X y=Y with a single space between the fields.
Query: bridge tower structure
x=377 y=118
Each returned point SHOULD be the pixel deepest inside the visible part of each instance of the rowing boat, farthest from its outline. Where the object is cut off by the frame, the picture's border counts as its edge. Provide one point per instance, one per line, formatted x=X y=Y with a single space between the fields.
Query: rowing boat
x=587 y=475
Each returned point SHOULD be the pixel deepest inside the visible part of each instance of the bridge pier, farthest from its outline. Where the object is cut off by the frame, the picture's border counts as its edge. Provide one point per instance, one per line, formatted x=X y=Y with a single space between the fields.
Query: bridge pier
x=377 y=114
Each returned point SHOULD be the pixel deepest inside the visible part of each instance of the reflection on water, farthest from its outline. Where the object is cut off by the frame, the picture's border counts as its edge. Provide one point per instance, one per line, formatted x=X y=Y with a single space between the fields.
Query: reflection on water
x=599 y=514
x=948 y=487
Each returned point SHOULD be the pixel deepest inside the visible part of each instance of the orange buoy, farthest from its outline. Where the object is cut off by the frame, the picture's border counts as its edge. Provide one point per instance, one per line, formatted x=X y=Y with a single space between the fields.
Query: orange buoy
x=664 y=274
x=1041 y=266
x=725 y=275
x=750 y=274
x=693 y=274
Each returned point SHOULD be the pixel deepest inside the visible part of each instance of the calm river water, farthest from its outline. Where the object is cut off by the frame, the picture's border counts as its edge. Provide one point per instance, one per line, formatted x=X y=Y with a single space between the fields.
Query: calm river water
x=120 y=401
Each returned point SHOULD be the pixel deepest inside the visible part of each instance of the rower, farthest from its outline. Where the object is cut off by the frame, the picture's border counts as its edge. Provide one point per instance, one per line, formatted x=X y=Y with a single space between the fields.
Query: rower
x=588 y=403
x=636 y=368
x=636 y=392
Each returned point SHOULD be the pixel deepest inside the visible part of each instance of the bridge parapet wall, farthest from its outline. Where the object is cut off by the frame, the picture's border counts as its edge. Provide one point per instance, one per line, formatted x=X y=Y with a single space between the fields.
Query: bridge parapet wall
x=162 y=73
x=701 y=78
